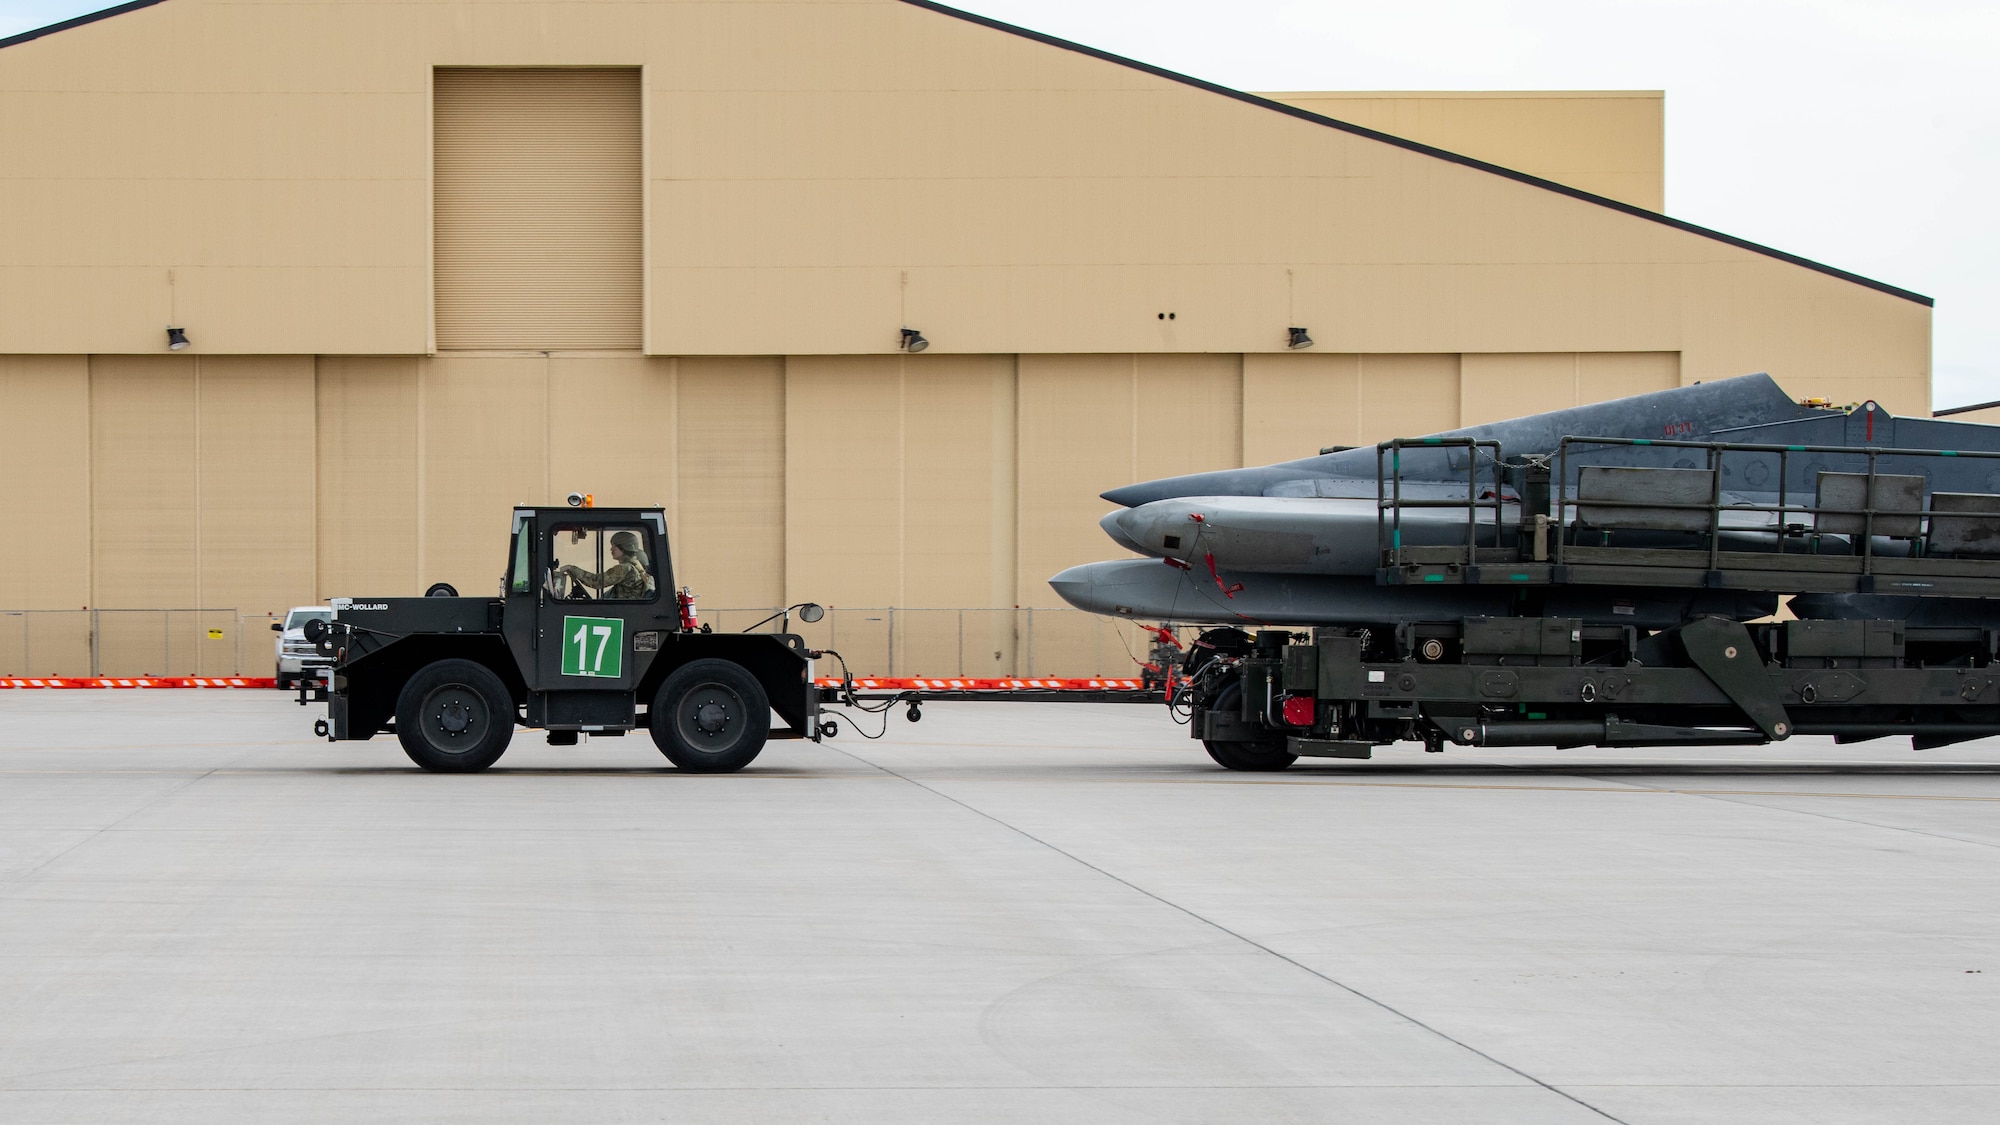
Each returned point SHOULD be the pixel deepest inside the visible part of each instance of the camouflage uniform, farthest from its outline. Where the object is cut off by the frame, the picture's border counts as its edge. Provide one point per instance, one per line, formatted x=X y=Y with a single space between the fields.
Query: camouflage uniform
x=625 y=580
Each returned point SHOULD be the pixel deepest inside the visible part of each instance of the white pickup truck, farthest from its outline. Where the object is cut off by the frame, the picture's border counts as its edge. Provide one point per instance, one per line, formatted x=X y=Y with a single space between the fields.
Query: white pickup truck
x=296 y=655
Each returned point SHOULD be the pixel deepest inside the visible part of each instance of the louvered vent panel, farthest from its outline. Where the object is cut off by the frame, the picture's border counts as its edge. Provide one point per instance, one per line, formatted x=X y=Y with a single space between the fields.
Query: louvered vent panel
x=537 y=208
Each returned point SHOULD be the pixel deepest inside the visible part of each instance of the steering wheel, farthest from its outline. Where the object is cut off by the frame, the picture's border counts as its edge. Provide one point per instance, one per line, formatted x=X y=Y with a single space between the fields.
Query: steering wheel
x=563 y=588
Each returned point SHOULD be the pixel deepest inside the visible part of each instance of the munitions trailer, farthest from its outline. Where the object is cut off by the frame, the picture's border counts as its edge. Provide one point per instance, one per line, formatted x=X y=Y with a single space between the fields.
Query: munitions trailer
x=1641 y=609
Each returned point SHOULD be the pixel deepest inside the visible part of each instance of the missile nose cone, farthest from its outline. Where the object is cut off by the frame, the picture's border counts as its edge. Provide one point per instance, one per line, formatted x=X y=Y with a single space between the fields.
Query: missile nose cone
x=1075 y=587
x=1113 y=524
x=1124 y=588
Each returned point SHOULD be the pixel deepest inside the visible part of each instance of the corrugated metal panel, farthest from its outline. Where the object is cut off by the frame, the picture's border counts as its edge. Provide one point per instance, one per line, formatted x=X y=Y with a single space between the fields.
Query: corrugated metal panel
x=538 y=208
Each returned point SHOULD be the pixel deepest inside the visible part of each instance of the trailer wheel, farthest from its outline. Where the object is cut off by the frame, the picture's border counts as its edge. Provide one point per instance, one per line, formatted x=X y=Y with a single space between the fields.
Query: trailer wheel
x=1264 y=755
x=710 y=716
x=454 y=716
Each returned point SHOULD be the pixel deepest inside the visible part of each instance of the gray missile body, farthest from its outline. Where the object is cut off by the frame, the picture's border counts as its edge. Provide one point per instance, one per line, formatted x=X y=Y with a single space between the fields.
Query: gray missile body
x=1299 y=542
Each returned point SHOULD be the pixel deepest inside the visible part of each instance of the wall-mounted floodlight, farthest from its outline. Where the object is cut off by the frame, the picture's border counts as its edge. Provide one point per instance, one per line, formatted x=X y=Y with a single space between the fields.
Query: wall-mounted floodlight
x=1298 y=339
x=913 y=341
x=177 y=338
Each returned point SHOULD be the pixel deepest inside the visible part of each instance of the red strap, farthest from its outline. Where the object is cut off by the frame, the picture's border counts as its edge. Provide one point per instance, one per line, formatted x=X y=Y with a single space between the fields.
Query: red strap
x=1228 y=591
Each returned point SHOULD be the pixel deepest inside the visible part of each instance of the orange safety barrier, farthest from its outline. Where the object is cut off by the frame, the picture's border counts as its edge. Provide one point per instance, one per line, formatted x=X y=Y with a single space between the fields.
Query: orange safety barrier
x=966 y=683
x=137 y=682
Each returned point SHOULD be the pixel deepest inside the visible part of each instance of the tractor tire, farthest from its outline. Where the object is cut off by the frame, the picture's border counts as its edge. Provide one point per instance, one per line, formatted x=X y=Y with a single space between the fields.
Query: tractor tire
x=454 y=716
x=1258 y=756
x=710 y=716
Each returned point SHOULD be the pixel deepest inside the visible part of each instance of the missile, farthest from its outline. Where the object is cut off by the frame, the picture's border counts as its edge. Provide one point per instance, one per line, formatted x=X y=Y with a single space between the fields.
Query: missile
x=1300 y=542
x=1145 y=589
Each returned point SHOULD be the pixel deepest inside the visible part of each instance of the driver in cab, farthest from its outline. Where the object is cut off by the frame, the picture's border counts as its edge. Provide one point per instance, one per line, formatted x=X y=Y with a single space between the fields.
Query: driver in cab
x=625 y=579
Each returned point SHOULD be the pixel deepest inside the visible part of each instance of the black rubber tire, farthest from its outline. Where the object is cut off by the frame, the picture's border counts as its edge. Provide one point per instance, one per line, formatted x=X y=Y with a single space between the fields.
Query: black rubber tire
x=710 y=716
x=457 y=694
x=1261 y=756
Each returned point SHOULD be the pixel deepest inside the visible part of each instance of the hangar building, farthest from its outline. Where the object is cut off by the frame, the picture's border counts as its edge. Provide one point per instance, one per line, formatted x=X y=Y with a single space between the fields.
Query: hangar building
x=434 y=258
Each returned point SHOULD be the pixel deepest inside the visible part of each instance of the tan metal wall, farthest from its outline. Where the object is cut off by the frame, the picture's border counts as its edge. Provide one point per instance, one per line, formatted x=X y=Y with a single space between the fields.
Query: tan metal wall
x=820 y=173
x=1607 y=142
x=537 y=221
x=1104 y=260
x=252 y=484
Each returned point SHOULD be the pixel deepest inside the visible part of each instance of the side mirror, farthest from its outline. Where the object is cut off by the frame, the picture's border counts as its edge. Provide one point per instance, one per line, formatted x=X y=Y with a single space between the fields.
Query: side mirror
x=811 y=612
x=277 y=626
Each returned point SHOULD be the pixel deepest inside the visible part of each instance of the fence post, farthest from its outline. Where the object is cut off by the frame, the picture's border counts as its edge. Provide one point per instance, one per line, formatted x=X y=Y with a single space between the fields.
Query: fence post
x=96 y=668
x=1031 y=642
x=892 y=640
x=961 y=642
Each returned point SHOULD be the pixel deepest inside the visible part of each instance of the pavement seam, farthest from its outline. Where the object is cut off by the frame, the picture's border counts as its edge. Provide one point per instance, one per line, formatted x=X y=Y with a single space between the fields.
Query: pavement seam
x=10 y=884
x=1246 y=940
x=1724 y=796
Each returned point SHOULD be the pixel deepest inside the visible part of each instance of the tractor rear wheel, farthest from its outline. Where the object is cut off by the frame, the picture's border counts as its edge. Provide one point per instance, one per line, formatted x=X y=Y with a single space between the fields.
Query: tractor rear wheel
x=710 y=716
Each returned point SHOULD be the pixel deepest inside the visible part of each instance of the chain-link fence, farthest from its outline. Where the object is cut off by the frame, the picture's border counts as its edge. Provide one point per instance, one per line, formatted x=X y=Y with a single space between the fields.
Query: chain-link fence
x=136 y=642
x=883 y=641
x=890 y=641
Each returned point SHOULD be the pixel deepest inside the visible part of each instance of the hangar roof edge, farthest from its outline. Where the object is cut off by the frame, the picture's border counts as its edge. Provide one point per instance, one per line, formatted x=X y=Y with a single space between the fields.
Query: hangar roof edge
x=79 y=21
x=1266 y=103
x=1428 y=150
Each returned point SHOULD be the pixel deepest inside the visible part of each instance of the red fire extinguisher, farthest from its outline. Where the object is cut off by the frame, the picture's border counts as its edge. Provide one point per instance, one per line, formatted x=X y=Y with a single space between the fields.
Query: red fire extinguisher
x=690 y=621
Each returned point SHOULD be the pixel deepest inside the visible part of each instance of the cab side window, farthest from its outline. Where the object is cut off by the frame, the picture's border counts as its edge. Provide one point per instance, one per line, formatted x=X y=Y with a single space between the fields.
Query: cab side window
x=611 y=564
x=524 y=560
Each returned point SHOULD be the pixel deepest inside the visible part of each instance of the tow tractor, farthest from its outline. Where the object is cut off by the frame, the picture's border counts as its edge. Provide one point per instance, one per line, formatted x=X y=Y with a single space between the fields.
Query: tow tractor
x=588 y=636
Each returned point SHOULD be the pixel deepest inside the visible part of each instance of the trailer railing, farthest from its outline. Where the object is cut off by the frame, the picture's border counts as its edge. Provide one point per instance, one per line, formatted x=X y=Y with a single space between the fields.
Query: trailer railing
x=1391 y=501
x=1753 y=516
x=1857 y=530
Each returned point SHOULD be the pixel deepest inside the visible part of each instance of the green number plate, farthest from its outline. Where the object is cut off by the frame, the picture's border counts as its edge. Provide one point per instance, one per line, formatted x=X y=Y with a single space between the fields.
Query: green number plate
x=593 y=646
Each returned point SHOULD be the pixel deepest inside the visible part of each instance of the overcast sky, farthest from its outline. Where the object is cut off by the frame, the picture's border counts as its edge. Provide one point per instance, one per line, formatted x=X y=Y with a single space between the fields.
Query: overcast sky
x=1853 y=132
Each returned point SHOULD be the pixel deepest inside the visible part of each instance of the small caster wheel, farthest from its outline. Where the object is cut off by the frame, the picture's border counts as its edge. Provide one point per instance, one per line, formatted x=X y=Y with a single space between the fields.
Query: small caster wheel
x=321 y=729
x=829 y=729
x=916 y=714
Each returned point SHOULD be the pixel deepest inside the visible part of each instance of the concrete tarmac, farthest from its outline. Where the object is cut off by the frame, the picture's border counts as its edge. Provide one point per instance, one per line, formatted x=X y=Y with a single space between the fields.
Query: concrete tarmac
x=1005 y=913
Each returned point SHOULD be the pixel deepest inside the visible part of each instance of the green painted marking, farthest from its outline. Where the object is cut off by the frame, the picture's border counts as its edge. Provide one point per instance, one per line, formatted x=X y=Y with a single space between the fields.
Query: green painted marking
x=1518 y=577
x=1432 y=440
x=1538 y=714
x=593 y=646
x=1948 y=452
x=1795 y=449
x=1642 y=441
x=1433 y=577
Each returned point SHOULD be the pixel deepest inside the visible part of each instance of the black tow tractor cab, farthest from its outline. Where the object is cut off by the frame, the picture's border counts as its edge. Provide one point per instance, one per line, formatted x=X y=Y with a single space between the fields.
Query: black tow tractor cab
x=587 y=635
